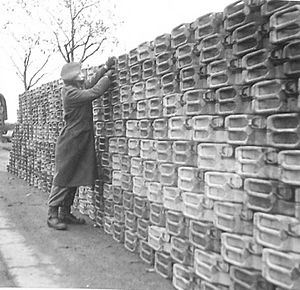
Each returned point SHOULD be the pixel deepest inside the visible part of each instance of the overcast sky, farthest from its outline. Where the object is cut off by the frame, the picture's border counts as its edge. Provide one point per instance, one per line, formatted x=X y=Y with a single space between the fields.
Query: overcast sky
x=143 y=21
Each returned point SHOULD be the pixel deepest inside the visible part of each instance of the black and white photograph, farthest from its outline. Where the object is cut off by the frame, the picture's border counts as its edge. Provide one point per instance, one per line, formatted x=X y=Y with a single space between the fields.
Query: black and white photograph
x=150 y=145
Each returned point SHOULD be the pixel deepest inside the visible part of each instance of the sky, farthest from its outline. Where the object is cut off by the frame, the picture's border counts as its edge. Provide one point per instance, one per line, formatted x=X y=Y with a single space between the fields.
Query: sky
x=143 y=21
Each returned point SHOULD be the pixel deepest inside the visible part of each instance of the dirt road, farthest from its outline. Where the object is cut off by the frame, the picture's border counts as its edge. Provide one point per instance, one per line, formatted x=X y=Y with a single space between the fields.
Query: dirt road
x=82 y=257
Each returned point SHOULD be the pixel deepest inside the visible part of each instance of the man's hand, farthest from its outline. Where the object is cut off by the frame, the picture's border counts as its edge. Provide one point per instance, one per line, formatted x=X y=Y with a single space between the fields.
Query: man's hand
x=110 y=62
x=109 y=73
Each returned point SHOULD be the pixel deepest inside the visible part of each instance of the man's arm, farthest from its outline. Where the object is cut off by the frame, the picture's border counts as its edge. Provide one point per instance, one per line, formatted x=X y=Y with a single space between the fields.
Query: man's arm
x=77 y=96
x=98 y=75
x=100 y=72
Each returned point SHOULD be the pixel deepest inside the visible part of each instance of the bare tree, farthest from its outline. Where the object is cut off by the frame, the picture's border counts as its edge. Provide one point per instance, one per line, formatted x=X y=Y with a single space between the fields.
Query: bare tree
x=37 y=30
x=30 y=71
x=24 y=45
x=79 y=30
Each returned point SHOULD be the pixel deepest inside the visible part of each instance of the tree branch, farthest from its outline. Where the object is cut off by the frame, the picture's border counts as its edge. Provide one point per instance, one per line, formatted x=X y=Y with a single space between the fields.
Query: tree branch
x=94 y=51
x=71 y=52
x=18 y=72
x=38 y=71
x=59 y=25
x=67 y=53
x=38 y=79
x=85 y=44
x=27 y=58
x=26 y=62
x=83 y=8
x=59 y=47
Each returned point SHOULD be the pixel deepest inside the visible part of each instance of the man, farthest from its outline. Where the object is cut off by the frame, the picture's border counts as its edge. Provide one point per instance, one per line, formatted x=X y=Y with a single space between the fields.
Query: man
x=75 y=158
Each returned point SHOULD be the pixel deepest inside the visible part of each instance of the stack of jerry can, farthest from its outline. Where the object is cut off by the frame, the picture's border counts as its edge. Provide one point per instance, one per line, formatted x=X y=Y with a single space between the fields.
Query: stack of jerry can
x=39 y=122
x=108 y=123
x=198 y=149
x=212 y=121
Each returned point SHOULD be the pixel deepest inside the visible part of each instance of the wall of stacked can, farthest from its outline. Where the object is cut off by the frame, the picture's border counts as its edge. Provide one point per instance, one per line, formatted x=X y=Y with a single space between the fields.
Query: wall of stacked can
x=198 y=149
x=39 y=122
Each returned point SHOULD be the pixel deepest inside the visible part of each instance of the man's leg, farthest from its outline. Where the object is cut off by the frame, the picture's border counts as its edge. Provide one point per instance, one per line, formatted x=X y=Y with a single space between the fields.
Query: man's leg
x=57 y=196
x=70 y=198
x=65 y=209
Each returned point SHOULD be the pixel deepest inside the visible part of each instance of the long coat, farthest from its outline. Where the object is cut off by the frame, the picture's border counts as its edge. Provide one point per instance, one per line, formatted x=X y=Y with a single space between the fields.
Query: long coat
x=75 y=158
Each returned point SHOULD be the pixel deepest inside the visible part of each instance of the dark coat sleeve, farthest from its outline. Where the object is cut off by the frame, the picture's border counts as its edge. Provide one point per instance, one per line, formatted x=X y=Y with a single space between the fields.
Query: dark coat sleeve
x=98 y=75
x=78 y=96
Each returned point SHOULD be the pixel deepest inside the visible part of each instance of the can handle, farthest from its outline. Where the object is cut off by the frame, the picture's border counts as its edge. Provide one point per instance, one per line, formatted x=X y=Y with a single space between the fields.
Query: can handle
x=188 y=124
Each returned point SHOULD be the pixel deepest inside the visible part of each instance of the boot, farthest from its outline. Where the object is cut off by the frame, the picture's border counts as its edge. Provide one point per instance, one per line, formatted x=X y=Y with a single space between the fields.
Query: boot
x=53 y=221
x=66 y=216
